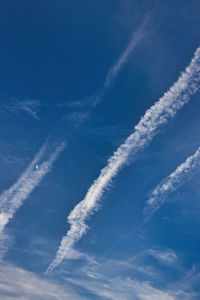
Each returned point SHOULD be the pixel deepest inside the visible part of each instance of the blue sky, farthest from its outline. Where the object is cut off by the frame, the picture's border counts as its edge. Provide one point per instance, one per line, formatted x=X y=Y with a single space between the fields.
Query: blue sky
x=99 y=160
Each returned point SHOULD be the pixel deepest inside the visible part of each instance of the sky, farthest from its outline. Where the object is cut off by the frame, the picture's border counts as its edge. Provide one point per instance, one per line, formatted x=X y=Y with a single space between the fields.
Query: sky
x=99 y=150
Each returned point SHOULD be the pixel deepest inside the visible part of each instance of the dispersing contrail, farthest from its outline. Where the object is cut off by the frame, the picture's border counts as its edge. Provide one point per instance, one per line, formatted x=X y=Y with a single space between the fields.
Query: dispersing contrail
x=112 y=73
x=134 y=42
x=156 y=116
x=12 y=198
x=171 y=183
x=7 y=194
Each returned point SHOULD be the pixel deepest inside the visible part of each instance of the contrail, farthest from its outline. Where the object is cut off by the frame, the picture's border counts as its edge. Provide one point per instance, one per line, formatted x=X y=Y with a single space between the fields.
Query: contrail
x=134 y=42
x=171 y=183
x=112 y=73
x=155 y=117
x=12 y=198
x=7 y=194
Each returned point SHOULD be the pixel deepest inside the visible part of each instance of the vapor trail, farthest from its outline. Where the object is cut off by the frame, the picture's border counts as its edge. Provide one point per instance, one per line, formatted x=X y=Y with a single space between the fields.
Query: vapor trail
x=135 y=40
x=12 y=198
x=112 y=73
x=155 y=117
x=7 y=194
x=171 y=183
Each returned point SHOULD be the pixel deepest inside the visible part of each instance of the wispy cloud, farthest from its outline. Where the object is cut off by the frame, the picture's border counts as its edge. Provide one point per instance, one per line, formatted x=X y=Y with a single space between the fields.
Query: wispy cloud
x=18 y=283
x=126 y=279
x=136 y=38
x=125 y=288
x=185 y=284
x=12 y=198
x=5 y=243
x=101 y=279
x=165 y=256
x=155 y=117
x=28 y=106
x=171 y=183
x=77 y=117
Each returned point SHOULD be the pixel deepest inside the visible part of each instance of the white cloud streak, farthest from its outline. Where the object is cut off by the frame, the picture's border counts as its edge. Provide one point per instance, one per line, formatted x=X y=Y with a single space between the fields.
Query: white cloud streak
x=126 y=289
x=18 y=283
x=125 y=279
x=28 y=106
x=167 y=256
x=12 y=198
x=133 y=277
x=155 y=117
x=171 y=183
x=5 y=243
x=136 y=38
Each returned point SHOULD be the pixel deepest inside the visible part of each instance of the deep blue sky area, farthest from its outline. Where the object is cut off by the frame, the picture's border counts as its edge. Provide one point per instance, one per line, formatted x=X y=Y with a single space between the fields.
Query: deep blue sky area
x=55 y=60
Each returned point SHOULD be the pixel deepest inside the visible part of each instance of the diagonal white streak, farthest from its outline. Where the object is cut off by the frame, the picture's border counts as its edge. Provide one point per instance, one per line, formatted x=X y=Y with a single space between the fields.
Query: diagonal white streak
x=136 y=38
x=7 y=194
x=155 y=117
x=12 y=198
x=171 y=183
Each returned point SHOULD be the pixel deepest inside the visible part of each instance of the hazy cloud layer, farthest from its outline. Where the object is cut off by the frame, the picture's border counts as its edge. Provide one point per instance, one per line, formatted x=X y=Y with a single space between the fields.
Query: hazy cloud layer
x=17 y=283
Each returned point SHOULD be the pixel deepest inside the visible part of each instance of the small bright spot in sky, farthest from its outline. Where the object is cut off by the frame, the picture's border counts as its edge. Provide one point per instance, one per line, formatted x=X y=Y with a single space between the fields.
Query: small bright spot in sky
x=37 y=167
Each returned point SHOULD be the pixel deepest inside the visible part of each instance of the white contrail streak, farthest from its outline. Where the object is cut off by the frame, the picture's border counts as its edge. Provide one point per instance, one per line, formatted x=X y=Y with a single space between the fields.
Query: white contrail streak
x=156 y=116
x=134 y=42
x=12 y=198
x=112 y=73
x=171 y=183
x=7 y=194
